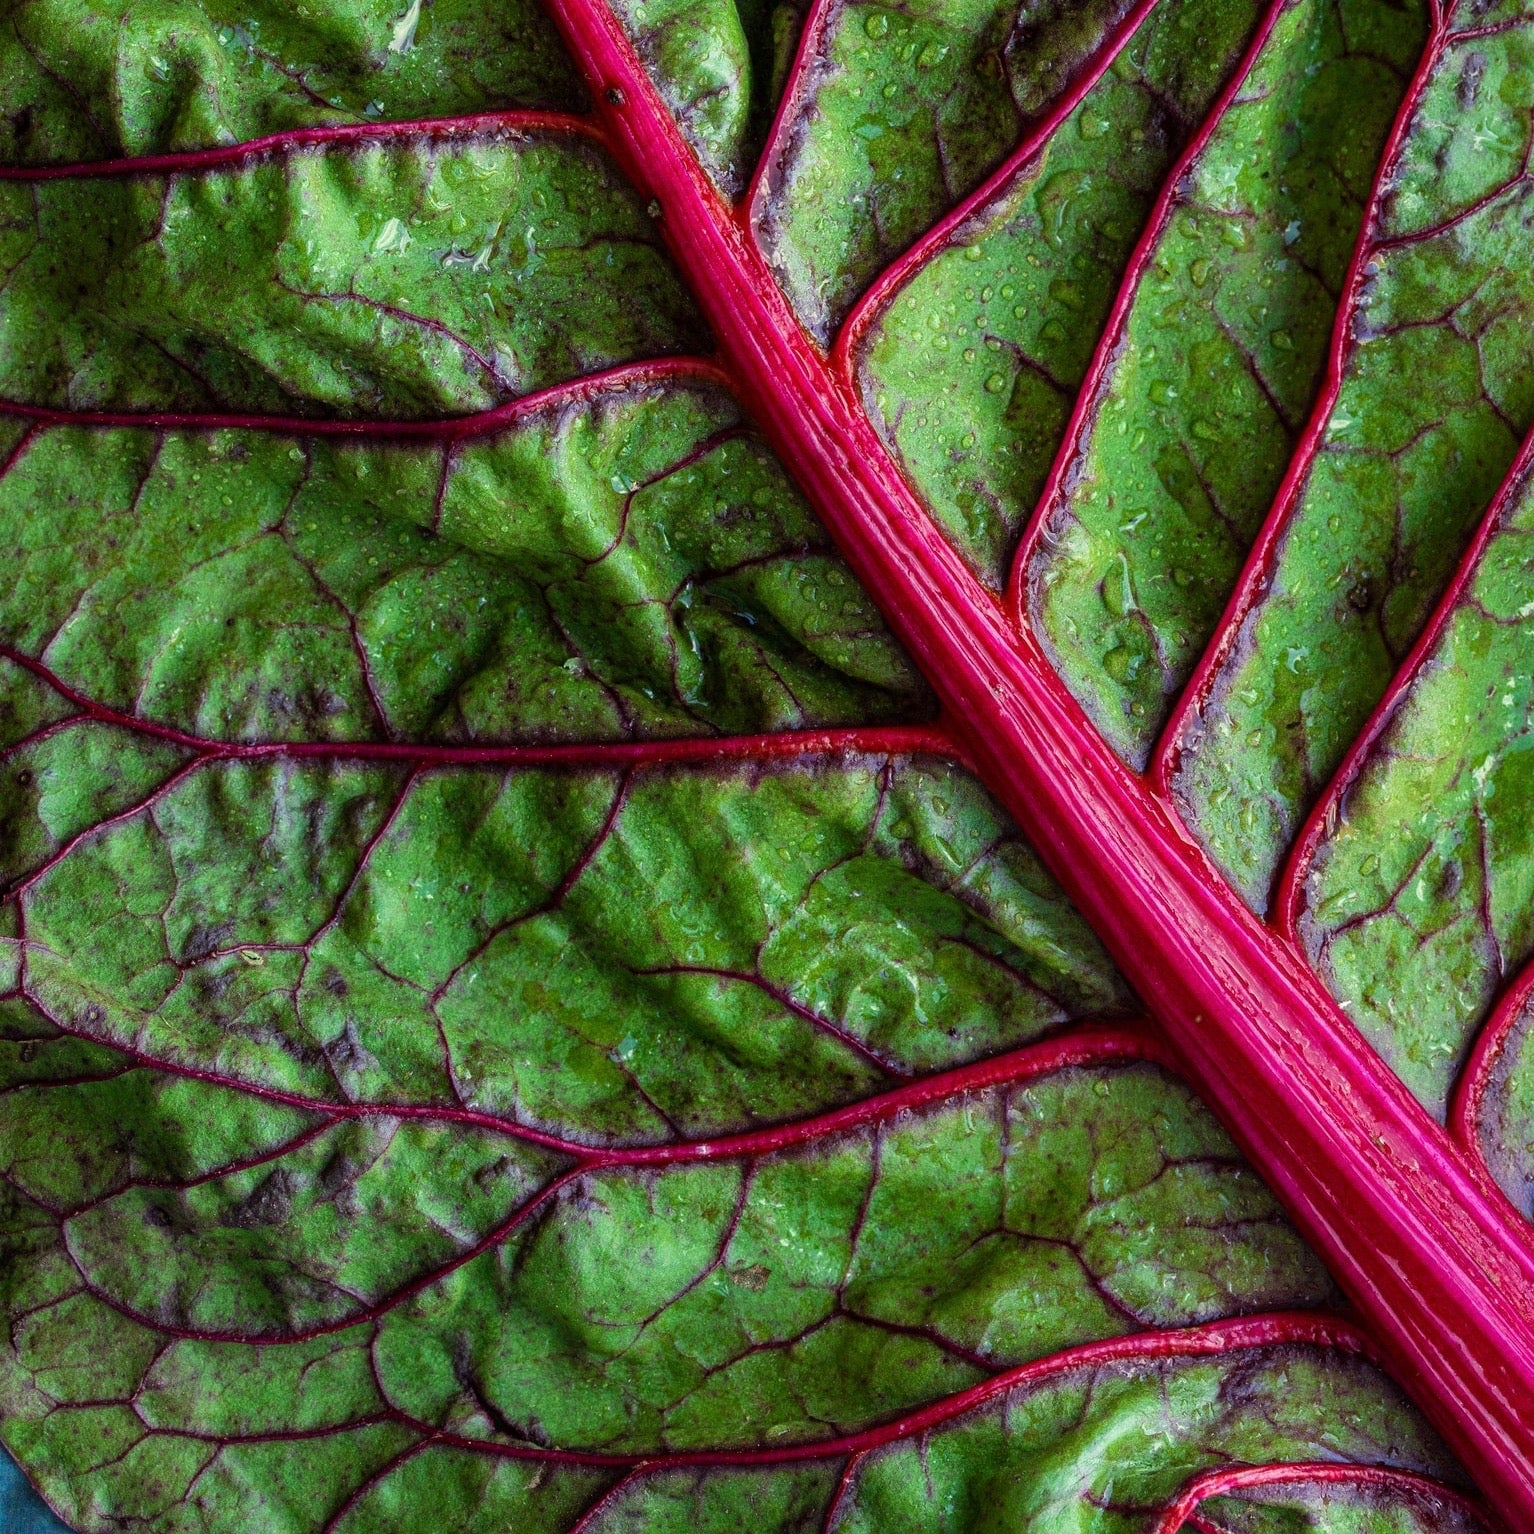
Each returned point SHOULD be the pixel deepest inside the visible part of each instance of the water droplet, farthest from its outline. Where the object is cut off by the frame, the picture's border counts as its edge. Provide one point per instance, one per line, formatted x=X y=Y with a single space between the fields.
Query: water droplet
x=996 y=383
x=877 y=25
x=1117 y=590
x=1066 y=292
x=1121 y=663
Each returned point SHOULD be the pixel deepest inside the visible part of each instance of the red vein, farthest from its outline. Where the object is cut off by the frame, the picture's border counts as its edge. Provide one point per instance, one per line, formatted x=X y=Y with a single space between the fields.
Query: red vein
x=1089 y=396
x=15 y=887
x=1289 y=895
x=448 y=430
x=1275 y=1329
x=196 y=161
x=843 y=1036
x=1235 y=1478
x=1397 y=1211
x=367 y=1486
x=844 y=1485
x=1258 y=569
x=496 y=1236
x=1083 y=1046
x=792 y=104
x=942 y=234
x=1394 y=1208
x=1468 y=1101
x=605 y=1503
x=871 y=740
x=1096 y=1046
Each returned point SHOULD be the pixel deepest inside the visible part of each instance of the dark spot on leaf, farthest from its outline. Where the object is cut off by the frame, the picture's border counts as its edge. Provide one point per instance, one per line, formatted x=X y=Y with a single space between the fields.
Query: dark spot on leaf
x=348 y=1053
x=203 y=941
x=270 y=1204
x=1470 y=80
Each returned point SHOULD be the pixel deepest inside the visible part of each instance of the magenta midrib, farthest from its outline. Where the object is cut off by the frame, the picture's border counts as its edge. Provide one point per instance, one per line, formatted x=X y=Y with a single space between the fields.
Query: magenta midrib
x=1288 y=898
x=1444 y=1272
x=1474 y=1080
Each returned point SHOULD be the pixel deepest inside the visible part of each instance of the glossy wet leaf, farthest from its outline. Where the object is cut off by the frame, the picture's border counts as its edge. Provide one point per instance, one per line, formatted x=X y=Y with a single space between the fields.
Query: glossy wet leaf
x=1335 y=1508
x=524 y=1002
x=1435 y=395
x=633 y=563
x=1441 y=900
x=383 y=280
x=1222 y=352
x=86 y=80
x=971 y=371
x=904 y=111
x=833 y=921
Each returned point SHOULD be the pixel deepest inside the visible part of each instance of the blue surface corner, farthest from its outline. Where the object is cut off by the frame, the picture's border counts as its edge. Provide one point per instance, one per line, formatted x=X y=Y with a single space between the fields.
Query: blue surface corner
x=22 y=1511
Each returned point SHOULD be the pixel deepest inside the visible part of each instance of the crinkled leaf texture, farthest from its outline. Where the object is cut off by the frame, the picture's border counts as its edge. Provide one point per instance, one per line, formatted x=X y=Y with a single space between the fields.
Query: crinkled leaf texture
x=766 y=766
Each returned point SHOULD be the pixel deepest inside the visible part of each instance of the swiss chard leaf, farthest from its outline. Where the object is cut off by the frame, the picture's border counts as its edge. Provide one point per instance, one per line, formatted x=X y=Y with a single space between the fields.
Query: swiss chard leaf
x=742 y=777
